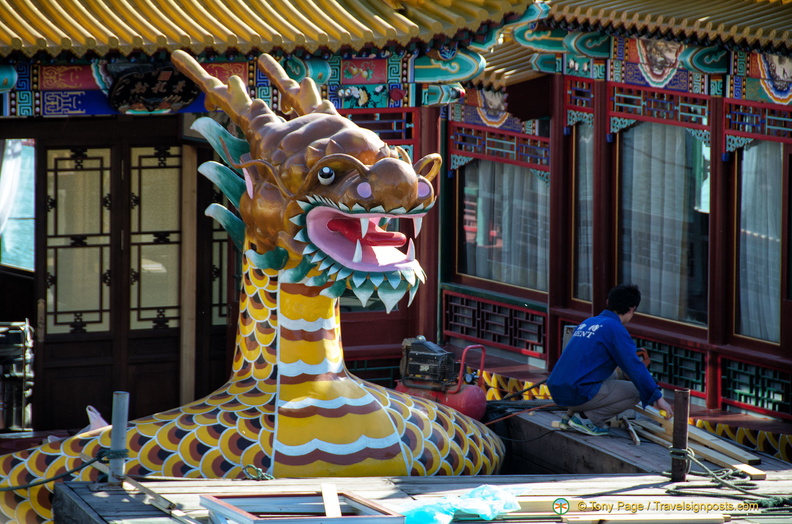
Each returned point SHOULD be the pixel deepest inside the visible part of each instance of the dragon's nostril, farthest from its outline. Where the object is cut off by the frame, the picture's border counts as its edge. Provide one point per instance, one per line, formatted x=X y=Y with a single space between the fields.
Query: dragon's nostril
x=364 y=190
x=424 y=189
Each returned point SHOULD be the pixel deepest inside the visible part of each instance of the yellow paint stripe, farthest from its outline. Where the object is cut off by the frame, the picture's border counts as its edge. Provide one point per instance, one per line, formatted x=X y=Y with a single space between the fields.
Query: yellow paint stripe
x=323 y=390
x=296 y=307
x=312 y=353
x=386 y=468
x=343 y=430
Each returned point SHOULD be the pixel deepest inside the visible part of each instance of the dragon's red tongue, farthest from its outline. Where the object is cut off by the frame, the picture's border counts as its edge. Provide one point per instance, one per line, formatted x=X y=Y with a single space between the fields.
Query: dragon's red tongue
x=375 y=236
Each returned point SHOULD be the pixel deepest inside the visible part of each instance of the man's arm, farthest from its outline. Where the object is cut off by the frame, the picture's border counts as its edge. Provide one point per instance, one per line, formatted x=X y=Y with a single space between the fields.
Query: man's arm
x=623 y=351
x=662 y=405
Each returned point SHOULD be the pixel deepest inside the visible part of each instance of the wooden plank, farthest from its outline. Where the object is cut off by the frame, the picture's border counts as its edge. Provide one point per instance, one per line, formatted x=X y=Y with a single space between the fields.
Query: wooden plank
x=752 y=472
x=699 y=451
x=655 y=434
x=704 y=437
x=330 y=499
x=73 y=509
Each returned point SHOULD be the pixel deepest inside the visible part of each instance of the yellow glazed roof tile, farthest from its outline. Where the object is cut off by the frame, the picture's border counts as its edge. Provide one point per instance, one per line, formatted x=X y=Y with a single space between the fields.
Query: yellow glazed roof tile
x=751 y=25
x=100 y=26
x=757 y=24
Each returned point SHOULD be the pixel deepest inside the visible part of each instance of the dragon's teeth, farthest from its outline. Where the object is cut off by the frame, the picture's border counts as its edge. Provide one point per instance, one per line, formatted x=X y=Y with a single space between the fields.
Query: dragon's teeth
x=413 y=289
x=364 y=223
x=410 y=251
x=418 y=223
x=409 y=276
x=358 y=256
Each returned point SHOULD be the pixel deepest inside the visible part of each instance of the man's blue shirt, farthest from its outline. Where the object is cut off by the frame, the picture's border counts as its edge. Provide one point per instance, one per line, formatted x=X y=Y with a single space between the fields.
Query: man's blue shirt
x=597 y=347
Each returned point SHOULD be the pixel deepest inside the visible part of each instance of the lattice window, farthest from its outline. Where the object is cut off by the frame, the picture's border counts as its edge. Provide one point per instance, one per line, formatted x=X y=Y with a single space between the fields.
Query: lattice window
x=494 y=324
x=759 y=121
x=482 y=142
x=579 y=95
x=677 y=366
x=391 y=126
x=757 y=386
x=384 y=372
x=660 y=105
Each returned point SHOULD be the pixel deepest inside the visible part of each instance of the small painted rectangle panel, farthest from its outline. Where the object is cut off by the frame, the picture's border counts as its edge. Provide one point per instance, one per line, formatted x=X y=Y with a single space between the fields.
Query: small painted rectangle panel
x=364 y=71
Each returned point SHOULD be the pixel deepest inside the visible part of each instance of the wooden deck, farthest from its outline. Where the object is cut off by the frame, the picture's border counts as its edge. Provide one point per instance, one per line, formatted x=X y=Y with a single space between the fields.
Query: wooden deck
x=535 y=446
x=606 y=498
x=610 y=477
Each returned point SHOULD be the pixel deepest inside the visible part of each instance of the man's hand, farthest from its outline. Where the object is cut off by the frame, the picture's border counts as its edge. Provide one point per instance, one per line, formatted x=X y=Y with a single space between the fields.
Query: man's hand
x=663 y=406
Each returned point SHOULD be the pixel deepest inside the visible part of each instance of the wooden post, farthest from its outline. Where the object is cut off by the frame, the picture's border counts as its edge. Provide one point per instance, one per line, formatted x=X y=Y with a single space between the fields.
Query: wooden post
x=679 y=465
x=118 y=437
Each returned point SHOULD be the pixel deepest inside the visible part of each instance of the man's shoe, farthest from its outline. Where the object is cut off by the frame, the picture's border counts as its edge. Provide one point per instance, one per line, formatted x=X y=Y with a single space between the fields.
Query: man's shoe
x=564 y=424
x=586 y=426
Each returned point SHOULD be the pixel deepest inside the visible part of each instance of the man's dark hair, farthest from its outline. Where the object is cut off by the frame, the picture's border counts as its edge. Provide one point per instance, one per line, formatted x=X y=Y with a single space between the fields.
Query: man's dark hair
x=623 y=297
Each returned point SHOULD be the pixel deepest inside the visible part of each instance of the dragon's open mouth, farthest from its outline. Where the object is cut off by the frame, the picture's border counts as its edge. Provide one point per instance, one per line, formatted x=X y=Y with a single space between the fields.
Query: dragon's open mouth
x=357 y=241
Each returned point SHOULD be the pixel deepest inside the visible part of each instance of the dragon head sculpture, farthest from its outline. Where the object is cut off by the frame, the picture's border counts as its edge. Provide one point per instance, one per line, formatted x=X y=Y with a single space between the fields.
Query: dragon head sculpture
x=316 y=191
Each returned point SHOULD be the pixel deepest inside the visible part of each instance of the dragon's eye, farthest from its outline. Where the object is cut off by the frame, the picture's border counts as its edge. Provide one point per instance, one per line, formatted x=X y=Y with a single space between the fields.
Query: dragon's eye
x=326 y=176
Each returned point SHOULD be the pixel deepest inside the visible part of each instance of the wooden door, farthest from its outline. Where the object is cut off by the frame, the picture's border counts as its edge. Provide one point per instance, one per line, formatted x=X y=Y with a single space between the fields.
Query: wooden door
x=109 y=279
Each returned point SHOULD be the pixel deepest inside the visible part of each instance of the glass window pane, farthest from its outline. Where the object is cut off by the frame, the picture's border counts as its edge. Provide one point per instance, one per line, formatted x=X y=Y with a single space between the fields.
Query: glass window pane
x=759 y=277
x=505 y=216
x=663 y=228
x=156 y=181
x=17 y=203
x=584 y=206
x=155 y=237
x=78 y=240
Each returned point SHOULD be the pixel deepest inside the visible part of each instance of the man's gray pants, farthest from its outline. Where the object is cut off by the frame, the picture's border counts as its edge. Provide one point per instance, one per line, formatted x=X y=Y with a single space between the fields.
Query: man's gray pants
x=614 y=397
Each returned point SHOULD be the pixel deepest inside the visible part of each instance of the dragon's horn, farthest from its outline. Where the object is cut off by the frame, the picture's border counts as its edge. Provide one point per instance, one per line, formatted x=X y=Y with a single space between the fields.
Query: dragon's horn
x=232 y=98
x=303 y=98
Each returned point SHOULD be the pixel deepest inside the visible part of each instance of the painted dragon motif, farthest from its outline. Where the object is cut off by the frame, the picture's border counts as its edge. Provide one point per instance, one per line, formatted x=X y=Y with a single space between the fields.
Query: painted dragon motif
x=314 y=193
